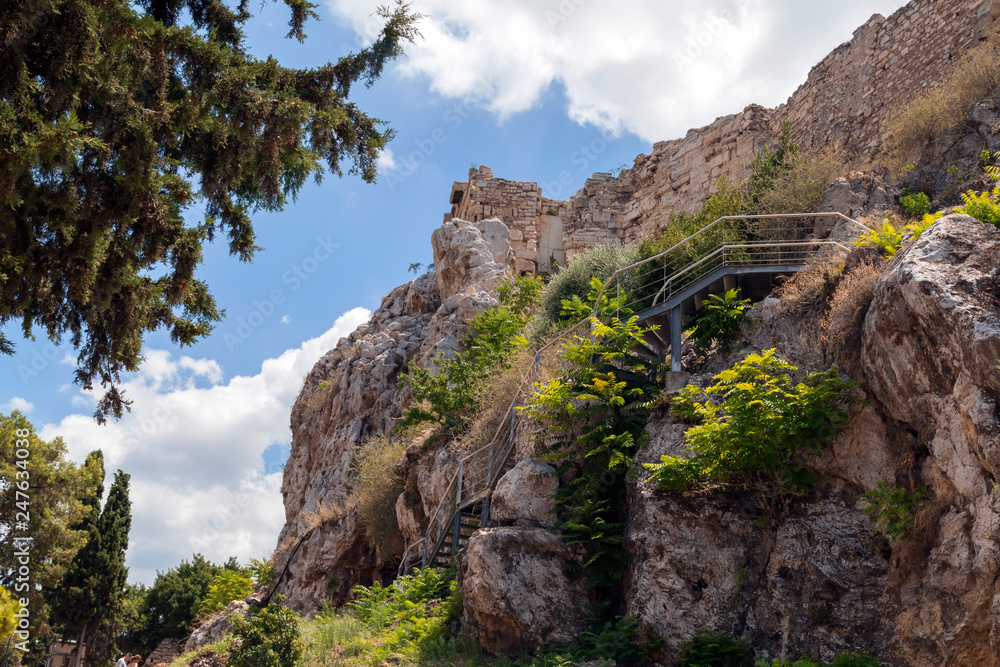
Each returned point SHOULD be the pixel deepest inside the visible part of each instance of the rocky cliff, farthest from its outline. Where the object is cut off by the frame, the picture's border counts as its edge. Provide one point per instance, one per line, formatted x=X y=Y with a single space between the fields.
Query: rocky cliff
x=923 y=342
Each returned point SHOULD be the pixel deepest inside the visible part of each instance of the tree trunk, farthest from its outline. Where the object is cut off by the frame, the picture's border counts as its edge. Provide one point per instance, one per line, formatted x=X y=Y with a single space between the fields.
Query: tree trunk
x=79 y=645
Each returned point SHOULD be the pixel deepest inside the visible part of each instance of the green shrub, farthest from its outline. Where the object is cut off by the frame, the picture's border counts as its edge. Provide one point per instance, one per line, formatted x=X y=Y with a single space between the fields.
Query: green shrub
x=800 y=185
x=851 y=659
x=710 y=648
x=450 y=397
x=917 y=228
x=262 y=570
x=717 y=322
x=227 y=586
x=984 y=207
x=594 y=416
x=574 y=280
x=268 y=638
x=887 y=239
x=753 y=424
x=915 y=204
x=892 y=508
x=375 y=490
x=846 y=659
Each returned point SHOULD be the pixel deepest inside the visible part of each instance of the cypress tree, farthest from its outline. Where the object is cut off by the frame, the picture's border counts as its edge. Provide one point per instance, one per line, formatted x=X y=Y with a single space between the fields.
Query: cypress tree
x=88 y=601
x=116 y=117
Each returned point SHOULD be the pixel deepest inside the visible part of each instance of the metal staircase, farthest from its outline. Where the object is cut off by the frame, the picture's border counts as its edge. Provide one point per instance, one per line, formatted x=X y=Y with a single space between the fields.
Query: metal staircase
x=747 y=252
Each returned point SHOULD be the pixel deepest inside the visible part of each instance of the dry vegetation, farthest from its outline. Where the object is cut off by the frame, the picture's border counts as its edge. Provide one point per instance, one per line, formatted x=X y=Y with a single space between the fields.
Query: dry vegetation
x=848 y=307
x=914 y=128
x=496 y=398
x=800 y=188
x=376 y=489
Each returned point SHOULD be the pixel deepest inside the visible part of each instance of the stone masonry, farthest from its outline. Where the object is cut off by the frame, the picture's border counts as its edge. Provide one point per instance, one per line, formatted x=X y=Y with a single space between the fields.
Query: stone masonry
x=843 y=104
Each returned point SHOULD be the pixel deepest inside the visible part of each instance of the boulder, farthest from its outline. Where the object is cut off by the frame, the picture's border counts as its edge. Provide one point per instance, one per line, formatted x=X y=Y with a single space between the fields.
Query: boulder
x=215 y=626
x=524 y=496
x=515 y=591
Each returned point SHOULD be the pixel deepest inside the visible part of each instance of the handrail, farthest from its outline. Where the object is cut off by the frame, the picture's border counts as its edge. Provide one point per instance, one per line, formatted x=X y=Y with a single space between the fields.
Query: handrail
x=711 y=225
x=454 y=497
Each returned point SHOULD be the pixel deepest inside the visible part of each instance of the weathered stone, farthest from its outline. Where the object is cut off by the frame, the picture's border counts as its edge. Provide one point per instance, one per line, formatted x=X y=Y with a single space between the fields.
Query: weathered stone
x=215 y=626
x=524 y=496
x=516 y=595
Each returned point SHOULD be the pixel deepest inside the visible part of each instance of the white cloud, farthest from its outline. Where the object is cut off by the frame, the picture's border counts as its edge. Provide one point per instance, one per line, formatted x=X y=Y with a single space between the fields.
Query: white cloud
x=652 y=67
x=386 y=160
x=285 y=319
x=17 y=403
x=193 y=445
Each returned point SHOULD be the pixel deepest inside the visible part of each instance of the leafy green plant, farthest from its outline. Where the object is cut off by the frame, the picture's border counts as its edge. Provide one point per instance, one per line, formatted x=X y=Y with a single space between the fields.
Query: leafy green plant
x=851 y=659
x=594 y=413
x=917 y=228
x=753 y=425
x=984 y=206
x=887 y=239
x=892 y=508
x=227 y=586
x=711 y=648
x=718 y=321
x=267 y=638
x=262 y=570
x=450 y=396
x=576 y=278
x=915 y=204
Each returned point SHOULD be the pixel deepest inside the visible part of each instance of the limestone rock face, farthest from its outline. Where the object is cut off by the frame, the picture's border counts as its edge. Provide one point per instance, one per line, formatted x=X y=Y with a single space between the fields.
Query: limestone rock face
x=930 y=348
x=352 y=394
x=524 y=496
x=515 y=591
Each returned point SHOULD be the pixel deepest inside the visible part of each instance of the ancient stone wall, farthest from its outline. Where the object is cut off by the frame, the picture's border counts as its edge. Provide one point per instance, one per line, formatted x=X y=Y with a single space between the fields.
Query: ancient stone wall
x=843 y=104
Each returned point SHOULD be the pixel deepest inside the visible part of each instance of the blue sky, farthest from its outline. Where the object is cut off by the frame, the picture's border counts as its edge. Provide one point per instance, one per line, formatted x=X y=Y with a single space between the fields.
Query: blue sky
x=535 y=90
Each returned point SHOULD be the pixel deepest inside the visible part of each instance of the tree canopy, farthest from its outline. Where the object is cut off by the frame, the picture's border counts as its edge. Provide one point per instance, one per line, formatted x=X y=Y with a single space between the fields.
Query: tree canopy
x=62 y=496
x=115 y=119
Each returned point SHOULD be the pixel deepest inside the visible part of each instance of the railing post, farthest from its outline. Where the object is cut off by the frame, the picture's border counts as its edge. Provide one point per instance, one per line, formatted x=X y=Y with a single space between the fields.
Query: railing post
x=489 y=463
x=423 y=556
x=456 y=535
x=675 y=338
x=484 y=516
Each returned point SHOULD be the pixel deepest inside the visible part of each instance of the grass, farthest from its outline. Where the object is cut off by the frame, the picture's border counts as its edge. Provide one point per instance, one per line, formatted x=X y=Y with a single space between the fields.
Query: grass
x=914 y=128
x=220 y=647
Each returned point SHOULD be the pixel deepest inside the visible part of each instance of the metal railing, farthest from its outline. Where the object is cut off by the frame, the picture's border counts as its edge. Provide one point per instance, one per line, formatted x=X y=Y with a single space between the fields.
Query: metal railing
x=476 y=476
x=777 y=240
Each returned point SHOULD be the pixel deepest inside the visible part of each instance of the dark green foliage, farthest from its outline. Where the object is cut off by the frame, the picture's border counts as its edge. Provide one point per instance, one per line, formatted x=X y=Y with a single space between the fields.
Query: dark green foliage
x=575 y=280
x=892 y=508
x=753 y=425
x=120 y=119
x=717 y=322
x=174 y=600
x=594 y=414
x=851 y=659
x=451 y=395
x=915 y=204
x=267 y=638
x=385 y=605
x=709 y=648
x=88 y=602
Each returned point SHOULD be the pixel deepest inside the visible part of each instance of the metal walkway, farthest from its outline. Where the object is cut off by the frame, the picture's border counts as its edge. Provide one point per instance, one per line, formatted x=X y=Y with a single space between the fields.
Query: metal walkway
x=734 y=251
x=744 y=252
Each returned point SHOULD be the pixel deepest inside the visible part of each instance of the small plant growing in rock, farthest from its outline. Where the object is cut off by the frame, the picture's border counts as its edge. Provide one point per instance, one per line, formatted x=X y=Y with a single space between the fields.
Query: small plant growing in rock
x=887 y=239
x=717 y=322
x=915 y=204
x=892 y=508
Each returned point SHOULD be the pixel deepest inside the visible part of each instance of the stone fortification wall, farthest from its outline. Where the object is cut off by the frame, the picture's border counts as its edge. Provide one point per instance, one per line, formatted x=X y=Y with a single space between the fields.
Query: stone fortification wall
x=844 y=104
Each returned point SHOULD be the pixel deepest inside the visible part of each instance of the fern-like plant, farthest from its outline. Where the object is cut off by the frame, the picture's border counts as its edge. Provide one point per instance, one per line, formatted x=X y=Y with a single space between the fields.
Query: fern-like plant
x=717 y=322
x=887 y=239
x=753 y=426
x=594 y=414
x=892 y=508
